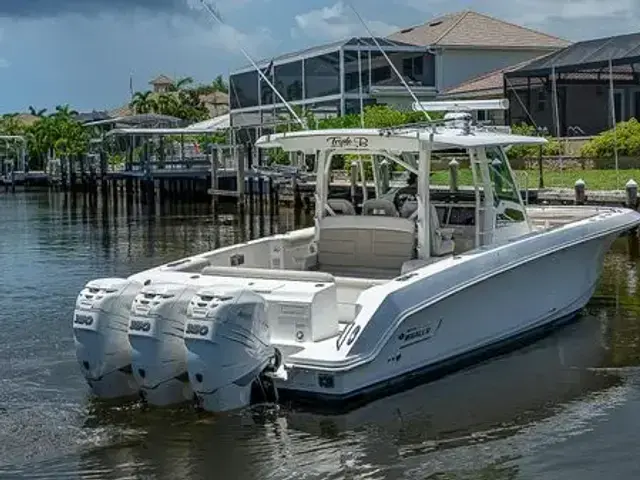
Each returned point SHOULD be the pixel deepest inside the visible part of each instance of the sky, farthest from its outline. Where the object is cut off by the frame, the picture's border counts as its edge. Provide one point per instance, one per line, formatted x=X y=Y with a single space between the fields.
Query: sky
x=83 y=52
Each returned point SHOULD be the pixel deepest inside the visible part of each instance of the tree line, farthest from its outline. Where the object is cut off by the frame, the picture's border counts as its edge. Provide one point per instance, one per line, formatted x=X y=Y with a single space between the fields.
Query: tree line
x=183 y=100
x=59 y=133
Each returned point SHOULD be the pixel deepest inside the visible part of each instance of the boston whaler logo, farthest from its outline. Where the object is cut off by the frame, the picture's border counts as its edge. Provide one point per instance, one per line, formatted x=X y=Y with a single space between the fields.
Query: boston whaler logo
x=196 y=329
x=342 y=142
x=140 y=326
x=419 y=334
x=83 y=319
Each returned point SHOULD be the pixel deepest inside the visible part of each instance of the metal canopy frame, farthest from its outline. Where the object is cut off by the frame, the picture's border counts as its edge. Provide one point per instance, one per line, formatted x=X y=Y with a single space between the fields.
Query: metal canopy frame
x=605 y=62
x=589 y=56
x=147 y=132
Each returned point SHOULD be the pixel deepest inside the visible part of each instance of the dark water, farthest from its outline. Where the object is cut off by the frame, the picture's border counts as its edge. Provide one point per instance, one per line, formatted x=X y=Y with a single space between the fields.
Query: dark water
x=567 y=407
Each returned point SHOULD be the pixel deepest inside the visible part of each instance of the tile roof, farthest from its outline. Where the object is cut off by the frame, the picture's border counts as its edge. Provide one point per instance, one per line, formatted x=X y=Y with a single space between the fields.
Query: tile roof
x=123 y=111
x=161 y=80
x=472 y=29
x=27 y=119
x=487 y=84
x=215 y=98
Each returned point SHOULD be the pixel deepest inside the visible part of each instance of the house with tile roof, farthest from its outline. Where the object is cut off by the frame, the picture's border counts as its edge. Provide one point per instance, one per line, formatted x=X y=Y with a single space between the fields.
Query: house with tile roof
x=468 y=44
x=340 y=77
x=569 y=91
x=161 y=84
x=487 y=86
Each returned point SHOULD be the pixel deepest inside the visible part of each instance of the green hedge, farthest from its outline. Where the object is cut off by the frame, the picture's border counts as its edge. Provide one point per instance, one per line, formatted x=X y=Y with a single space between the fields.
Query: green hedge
x=626 y=138
x=516 y=152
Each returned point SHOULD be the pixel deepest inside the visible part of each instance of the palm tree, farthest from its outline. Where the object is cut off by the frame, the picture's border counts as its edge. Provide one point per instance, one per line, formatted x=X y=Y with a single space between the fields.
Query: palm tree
x=37 y=113
x=10 y=124
x=167 y=104
x=64 y=111
x=142 y=102
x=181 y=84
x=219 y=84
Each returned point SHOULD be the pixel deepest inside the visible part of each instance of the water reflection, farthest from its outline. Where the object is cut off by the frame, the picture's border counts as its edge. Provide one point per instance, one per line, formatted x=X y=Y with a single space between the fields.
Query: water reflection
x=491 y=421
x=492 y=402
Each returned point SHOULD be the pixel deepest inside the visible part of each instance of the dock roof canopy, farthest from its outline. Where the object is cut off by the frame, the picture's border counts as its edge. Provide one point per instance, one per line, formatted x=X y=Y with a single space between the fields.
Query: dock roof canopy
x=590 y=55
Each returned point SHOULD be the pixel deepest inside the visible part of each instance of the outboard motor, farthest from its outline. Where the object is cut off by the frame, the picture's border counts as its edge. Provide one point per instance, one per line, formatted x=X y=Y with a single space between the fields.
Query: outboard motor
x=227 y=338
x=100 y=325
x=156 y=329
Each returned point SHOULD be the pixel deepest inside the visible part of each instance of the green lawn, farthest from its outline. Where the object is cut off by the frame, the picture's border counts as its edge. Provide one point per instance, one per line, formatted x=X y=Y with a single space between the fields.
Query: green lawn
x=594 y=179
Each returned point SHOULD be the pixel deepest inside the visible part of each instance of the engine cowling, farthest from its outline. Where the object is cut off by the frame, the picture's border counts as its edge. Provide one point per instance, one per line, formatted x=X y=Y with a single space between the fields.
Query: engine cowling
x=156 y=327
x=227 y=338
x=100 y=325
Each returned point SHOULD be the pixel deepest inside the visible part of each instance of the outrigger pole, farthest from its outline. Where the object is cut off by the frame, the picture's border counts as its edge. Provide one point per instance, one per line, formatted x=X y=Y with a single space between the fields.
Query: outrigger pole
x=218 y=19
x=393 y=67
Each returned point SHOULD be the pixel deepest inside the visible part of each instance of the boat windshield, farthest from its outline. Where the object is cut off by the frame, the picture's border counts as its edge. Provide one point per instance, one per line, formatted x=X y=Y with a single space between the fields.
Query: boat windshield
x=505 y=189
x=503 y=183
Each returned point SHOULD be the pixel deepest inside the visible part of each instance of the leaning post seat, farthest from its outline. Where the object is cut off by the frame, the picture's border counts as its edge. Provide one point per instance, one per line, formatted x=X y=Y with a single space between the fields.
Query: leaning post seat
x=350 y=244
x=379 y=206
x=341 y=206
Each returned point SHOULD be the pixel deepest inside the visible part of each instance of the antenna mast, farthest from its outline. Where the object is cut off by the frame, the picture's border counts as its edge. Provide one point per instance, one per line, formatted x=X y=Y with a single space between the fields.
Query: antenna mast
x=395 y=70
x=217 y=18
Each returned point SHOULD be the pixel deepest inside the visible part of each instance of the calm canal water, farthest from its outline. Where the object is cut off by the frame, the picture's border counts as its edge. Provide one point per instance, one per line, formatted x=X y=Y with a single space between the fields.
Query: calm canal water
x=566 y=407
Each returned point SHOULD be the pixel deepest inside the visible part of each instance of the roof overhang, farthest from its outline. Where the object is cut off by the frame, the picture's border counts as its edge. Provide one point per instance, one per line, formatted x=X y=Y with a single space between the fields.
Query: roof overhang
x=546 y=69
x=514 y=48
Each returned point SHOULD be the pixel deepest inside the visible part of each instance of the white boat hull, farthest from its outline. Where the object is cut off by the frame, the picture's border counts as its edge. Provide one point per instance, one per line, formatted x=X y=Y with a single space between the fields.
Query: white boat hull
x=499 y=313
x=421 y=325
x=516 y=386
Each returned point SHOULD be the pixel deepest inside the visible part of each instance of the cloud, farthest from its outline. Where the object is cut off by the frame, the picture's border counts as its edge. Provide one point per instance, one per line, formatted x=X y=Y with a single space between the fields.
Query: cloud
x=56 y=8
x=230 y=39
x=337 y=22
x=51 y=66
x=49 y=8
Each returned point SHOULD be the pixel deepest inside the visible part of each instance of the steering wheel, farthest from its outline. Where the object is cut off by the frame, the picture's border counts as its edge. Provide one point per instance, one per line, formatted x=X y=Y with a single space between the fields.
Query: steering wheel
x=403 y=195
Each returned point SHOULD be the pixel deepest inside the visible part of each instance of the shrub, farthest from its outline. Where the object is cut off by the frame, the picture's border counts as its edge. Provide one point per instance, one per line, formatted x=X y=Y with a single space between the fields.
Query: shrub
x=626 y=138
x=516 y=152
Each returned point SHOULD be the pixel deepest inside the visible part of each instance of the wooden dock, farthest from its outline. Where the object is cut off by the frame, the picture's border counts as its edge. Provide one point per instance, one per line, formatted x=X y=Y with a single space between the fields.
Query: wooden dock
x=229 y=174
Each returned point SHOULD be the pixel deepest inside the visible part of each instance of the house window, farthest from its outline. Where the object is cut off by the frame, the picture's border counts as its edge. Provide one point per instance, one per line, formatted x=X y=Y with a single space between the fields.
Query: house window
x=636 y=105
x=617 y=105
x=541 y=100
x=353 y=73
x=288 y=80
x=243 y=90
x=413 y=67
x=322 y=75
